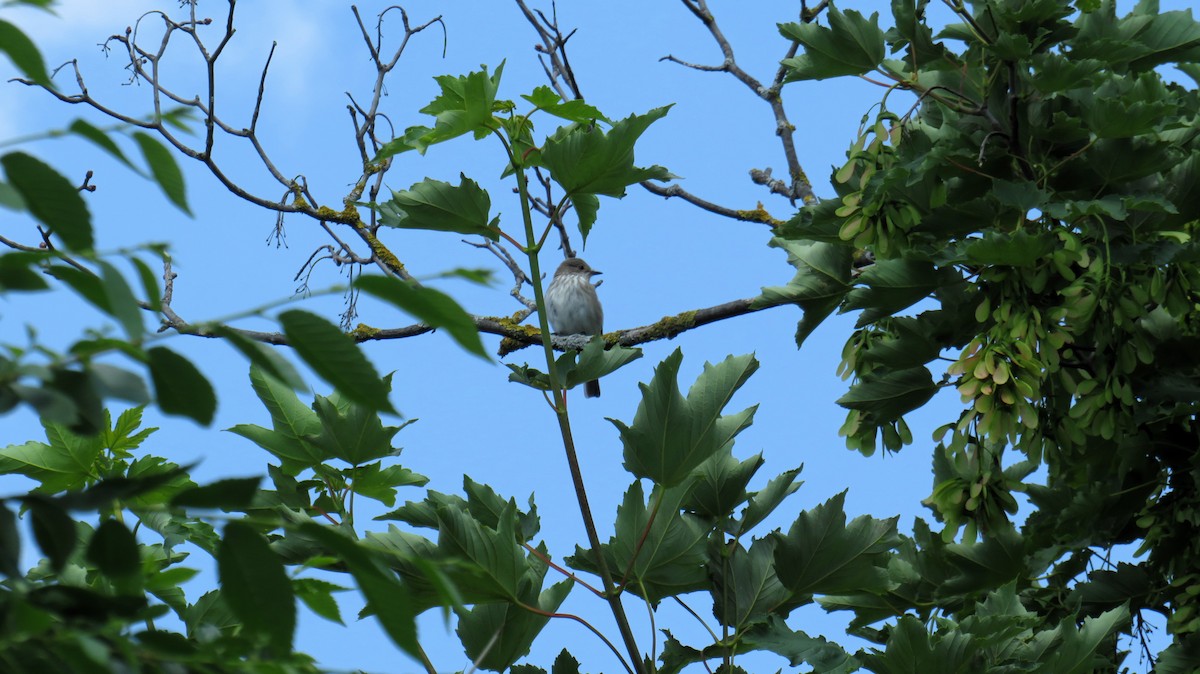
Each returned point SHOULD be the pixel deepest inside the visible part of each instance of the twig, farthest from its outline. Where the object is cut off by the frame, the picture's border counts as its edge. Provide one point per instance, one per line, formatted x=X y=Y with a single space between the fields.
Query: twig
x=668 y=191
x=800 y=187
x=550 y=563
x=519 y=277
x=553 y=46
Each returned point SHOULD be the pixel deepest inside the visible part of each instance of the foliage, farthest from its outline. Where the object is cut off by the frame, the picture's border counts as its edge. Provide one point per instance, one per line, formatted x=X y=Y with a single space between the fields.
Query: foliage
x=1042 y=195
x=1035 y=210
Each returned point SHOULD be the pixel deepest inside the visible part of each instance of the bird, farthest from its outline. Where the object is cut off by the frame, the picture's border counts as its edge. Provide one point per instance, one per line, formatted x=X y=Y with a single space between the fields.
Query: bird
x=573 y=307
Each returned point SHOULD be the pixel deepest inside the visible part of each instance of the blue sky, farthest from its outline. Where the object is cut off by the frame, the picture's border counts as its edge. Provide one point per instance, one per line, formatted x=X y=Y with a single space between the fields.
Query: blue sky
x=659 y=257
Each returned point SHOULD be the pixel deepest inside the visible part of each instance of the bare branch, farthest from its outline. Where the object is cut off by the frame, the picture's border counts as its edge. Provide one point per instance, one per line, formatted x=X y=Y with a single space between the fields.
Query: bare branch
x=759 y=214
x=554 y=47
x=519 y=277
x=799 y=188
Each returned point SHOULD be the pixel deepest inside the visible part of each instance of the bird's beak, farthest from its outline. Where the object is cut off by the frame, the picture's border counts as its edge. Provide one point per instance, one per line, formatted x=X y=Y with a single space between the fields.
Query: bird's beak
x=594 y=272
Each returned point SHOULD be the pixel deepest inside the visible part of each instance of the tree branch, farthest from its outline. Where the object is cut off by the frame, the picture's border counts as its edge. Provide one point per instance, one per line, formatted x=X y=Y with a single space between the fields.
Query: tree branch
x=800 y=188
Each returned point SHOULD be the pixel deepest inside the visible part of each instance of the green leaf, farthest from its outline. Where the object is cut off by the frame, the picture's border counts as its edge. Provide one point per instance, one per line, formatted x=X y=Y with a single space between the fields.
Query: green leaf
x=81 y=128
x=164 y=169
x=586 y=160
x=158 y=480
x=998 y=559
x=671 y=435
x=821 y=554
x=565 y=663
x=179 y=387
x=334 y=356
x=485 y=505
x=1077 y=653
x=53 y=529
x=292 y=423
x=913 y=32
x=114 y=550
x=294 y=453
x=763 y=502
x=380 y=484
x=1143 y=40
x=256 y=587
x=544 y=98
x=24 y=54
x=149 y=283
x=910 y=648
x=113 y=382
x=515 y=626
x=121 y=302
x=719 y=484
x=424 y=570
x=1113 y=588
x=288 y=413
x=432 y=307
x=16 y=272
x=10 y=198
x=66 y=463
x=799 y=648
x=141 y=486
x=851 y=45
x=822 y=279
x=442 y=207
x=263 y=357
x=210 y=611
x=390 y=600
x=494 y=552
x=586 y=207
x=317 y=595
x=353 y=433
x=894 y=285
x=87 y=285
x=464 y=105
x=1020 y=249
x=51 y=198
x=414 y=138
x=744 y=587
x=670 y=546
x=594 y=361
x=890 y=395
x=228 y=494
x=10 y=543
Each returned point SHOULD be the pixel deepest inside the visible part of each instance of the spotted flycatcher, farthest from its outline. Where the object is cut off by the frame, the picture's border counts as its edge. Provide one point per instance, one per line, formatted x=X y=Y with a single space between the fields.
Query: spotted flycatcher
x=573 y=307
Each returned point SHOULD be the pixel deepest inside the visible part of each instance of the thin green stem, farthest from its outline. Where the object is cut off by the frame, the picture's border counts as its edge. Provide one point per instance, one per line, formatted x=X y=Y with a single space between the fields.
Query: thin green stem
x=564 y=421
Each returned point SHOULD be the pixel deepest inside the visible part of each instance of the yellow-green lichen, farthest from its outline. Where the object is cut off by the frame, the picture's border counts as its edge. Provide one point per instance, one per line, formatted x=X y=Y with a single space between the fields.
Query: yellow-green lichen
x=362 y=332
x=759 y=214
x=327 y=213
x=669 y=326
x=511 y=324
